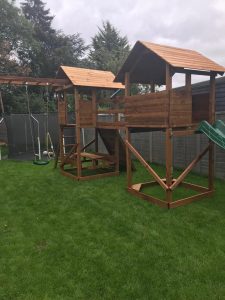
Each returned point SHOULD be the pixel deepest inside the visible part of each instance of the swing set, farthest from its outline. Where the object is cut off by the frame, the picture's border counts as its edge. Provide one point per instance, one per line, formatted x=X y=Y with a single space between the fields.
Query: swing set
x=40 y=157
x=49 y=150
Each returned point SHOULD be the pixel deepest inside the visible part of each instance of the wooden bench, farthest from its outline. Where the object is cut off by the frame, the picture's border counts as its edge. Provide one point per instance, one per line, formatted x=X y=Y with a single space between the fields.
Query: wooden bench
x=106 y=159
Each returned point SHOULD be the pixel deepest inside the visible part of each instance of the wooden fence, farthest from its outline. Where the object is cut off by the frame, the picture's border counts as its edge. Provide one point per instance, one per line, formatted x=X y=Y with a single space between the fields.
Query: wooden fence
x=150 y=145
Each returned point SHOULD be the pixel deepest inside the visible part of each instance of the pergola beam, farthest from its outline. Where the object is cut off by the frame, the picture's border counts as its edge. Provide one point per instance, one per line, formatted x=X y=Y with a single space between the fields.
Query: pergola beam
x=21 y=80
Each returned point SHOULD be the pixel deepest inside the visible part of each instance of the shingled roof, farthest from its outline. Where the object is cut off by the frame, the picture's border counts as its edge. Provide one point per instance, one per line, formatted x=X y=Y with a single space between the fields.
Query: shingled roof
x=89 y=78
x=147 y=62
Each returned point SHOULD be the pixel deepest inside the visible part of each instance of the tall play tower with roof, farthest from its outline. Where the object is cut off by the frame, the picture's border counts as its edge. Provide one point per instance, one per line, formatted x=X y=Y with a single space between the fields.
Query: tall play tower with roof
x=175 y=111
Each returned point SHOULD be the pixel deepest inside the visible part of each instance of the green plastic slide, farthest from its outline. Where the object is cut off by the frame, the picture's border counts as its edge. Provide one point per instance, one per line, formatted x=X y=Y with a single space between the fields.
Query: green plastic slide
x=215 y=132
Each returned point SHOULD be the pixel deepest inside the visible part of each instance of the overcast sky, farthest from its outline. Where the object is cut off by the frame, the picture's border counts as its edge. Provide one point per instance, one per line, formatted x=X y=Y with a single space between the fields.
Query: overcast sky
x=194 y=24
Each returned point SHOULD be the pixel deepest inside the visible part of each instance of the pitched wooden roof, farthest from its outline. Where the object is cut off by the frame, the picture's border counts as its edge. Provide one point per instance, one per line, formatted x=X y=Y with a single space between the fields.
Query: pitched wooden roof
x=147 y=62
x=90 y=78
x=184 y=58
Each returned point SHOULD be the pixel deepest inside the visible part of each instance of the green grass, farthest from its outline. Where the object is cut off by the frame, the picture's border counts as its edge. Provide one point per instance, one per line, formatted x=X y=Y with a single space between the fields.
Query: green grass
x=61 y=239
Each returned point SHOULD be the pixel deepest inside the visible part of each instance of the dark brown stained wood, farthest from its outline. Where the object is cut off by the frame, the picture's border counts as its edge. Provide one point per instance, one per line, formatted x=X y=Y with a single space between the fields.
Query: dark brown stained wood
x=200 y=107
x=189 y=168
x=152 y=87
x=169 y=163
x=178 y=57
x=190 y=199
x=62 y=111
x=97 y=176
x=212 y=98
x=127 y=84
x=194 y=187
x=181 y=107
x=169 y=145
x=212 y=120
x=148 y=198
x=152 y=67
x=94 y=107
x=89 y=78
x=116 y=100
x=168 y=89
x=21 y=80
x=111 y=125
x=183 y=132
x=128 y=159
x=146 y=165
x=148 y=109
x=86 y=114
x=194 y=72
x=88 y=144
x=110 y=138
x=117 y=152
x=67 y=156
x=78 y=133
x=110 y=111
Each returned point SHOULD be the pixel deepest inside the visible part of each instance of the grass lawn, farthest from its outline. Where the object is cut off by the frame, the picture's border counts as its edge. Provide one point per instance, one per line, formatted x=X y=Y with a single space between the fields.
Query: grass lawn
x=61 y=239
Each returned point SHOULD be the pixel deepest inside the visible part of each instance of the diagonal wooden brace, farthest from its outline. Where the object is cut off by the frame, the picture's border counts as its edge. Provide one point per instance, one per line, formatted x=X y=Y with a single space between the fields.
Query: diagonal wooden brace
x=68 y=155
x=146 y=165
x=189 y=168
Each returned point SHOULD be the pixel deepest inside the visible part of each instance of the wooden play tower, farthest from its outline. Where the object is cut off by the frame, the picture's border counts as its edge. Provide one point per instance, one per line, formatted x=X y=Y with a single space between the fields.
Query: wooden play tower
x=177 y=112
x=87 y=89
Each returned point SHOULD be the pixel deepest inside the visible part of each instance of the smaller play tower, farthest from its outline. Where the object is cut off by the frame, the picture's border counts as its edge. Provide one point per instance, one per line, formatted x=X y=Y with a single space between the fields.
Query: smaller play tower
x=94 y=93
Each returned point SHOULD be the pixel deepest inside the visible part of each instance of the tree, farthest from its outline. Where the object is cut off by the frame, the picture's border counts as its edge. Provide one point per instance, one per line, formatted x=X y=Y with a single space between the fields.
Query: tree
x=35 y=12
x=16 y=40
x=17 y=46
x=56 y=48
x=108 y=49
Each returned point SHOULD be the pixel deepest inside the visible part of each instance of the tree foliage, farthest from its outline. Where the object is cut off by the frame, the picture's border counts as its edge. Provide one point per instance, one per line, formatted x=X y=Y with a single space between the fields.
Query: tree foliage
x=16 y=40
x=56 y=48
x=29 y=45
x=108 y=49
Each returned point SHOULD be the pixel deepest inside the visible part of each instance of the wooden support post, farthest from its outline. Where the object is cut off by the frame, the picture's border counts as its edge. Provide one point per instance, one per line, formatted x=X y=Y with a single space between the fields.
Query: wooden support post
x=128 y=159
x=169 y=163
x=189 y=97
x=116 y=154
x=212 y=120
x=65 y=106
x=169 y=146
x=78 y=133
x=94 y=107
x=128 y=137
x=96 y=140
x=169 y=88
x=127 y=84
x=188 y=81
x=61 y=143
x=152 y=87
x=96 y=146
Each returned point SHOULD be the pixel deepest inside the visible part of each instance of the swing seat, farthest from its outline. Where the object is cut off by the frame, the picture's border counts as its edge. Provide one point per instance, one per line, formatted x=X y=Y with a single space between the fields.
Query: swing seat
x=41 y=162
